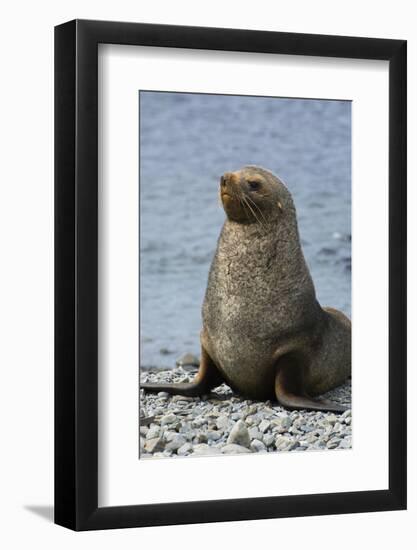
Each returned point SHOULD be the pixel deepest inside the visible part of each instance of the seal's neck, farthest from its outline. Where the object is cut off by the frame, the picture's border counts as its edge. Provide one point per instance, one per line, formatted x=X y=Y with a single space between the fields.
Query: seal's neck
x=269 y=234
x=273 y=251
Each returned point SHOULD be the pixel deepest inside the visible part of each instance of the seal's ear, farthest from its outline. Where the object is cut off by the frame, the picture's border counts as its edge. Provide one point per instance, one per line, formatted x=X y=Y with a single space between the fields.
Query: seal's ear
x=279 y=205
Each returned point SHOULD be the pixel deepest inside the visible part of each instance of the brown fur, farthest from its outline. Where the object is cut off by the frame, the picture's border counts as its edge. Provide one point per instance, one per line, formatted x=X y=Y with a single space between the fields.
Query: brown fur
x=264 y=332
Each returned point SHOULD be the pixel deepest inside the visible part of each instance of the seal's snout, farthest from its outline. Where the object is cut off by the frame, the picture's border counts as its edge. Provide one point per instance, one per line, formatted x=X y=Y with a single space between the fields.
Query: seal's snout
x=226 y=181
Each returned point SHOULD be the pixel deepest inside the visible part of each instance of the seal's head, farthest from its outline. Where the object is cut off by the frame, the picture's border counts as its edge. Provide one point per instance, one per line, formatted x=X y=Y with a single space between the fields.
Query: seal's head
x=254 y=195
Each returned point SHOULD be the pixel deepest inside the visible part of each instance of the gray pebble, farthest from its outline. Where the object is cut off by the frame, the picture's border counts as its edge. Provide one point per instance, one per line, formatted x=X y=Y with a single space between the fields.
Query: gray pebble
x=282 y=442
x=223 y=422
x=168 y=419
x=154 y=445
x=176 y=443
x=214 y=413
x=282 y=424
x=346 y=443
x=159 y=410
x=185 y=449
x=213 y=435
x=198 y=422
x=333 y=443
x=181 y=399
x=143 y=430
x=169 y=436
x=311 y=438
x=252 y=420
x=203 y=449
x=201 y=438
x=264 y=425
x=239 y=435
x=153 y=432
x=331 y=419
x=268 y=439
x=232 y=448
x=257 y=446
x=254 y=433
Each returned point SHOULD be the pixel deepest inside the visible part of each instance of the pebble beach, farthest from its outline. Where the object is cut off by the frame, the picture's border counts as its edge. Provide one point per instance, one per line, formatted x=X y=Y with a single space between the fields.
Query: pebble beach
x=224 y=423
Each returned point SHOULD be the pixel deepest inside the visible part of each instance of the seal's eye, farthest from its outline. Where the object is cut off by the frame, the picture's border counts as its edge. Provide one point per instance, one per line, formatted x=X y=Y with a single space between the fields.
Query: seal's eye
x=254 y=185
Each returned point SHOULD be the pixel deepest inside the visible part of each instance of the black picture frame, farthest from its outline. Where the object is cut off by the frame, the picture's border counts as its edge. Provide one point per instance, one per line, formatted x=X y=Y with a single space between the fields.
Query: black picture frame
x=76 y=272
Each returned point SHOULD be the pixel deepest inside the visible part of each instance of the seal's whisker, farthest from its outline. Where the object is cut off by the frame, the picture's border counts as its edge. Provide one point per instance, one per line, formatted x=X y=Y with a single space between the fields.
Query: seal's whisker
x=244 y=203
x=245 y=199
x=241 y=199
x=245 y=208
x=238 y=196
x=254 y=213
x=257 y=207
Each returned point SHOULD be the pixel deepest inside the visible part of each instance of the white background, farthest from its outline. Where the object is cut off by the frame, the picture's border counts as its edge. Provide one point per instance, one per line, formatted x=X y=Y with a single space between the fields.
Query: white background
x=122 y=478
x=26 y=205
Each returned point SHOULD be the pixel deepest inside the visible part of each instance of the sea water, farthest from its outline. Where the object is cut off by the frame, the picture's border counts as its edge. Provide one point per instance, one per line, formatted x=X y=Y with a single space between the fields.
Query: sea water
x=187 y=141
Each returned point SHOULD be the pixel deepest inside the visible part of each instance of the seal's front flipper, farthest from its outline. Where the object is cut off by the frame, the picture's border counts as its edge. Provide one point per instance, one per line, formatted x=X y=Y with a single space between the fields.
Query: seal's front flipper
x=291 y=396
x=207 y=378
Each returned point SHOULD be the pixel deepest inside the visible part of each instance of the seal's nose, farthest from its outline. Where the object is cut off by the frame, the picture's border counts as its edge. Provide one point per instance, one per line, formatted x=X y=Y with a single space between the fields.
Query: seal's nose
x=226 y=179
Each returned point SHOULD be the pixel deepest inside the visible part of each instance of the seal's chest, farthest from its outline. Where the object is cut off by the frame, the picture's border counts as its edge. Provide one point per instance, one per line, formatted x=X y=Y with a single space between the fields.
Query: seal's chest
x=247 y=289
x=247 y=271
x=245 y=366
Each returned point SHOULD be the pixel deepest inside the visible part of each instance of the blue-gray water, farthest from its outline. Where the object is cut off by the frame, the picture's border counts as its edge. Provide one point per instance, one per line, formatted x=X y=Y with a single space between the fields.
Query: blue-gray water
x=186 y=142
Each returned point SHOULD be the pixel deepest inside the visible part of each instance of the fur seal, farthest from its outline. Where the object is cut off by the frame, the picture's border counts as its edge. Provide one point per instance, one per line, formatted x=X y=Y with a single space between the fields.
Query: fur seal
x=264 y=332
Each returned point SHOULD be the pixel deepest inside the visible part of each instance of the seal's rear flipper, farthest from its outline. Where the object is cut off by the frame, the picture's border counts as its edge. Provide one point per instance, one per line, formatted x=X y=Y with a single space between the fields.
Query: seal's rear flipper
x=207 y=378
x=191 y=389
x=291 y=400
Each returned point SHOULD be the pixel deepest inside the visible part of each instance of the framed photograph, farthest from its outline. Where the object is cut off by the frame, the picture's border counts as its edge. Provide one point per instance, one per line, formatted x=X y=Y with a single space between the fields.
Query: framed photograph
x=230 y=255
